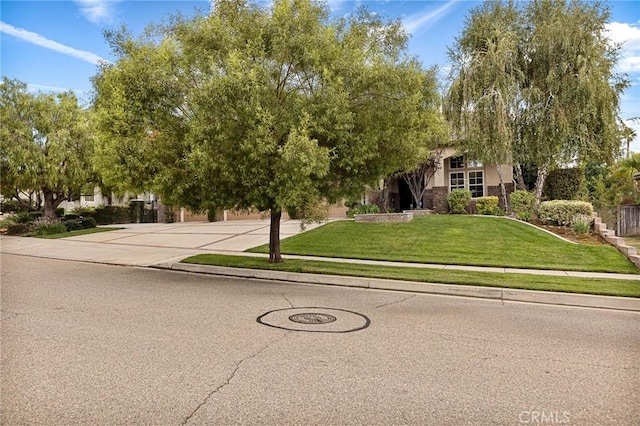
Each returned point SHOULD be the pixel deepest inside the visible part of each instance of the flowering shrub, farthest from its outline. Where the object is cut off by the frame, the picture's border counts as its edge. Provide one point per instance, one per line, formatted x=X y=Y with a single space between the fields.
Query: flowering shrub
x=562 y=212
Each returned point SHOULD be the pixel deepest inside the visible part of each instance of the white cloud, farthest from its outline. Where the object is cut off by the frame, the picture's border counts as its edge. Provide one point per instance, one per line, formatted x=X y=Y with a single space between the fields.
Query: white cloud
x=39 y=40
x=423 y=20
x=97 y=11
x=622 y=32
x=629 y=64
x=628 y=35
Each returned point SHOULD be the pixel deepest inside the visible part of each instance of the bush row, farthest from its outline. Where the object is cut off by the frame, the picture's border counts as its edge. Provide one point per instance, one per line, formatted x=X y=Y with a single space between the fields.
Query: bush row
x=563 y=212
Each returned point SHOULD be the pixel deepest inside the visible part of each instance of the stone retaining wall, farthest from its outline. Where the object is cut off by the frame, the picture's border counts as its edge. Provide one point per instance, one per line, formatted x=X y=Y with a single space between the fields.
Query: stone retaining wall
x=419 y=212
x=618 y=242
x=384 y=217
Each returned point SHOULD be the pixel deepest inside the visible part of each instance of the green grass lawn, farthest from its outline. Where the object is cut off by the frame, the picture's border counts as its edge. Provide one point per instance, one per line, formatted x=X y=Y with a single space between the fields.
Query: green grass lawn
x=598 y=286
x=75 y=233
x=455 y=240
x=633 y=241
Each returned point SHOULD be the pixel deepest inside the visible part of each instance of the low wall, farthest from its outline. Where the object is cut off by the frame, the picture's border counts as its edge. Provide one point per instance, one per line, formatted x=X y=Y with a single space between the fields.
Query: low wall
x=419 y=212
x=618 y=242
x=384 y=217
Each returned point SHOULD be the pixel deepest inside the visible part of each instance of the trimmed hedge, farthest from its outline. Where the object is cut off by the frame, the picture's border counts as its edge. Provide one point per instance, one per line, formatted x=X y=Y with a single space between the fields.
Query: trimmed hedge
x=108 y=215
x=562 y=212
x=459 y=201
x=487 y=205
x=564 y=184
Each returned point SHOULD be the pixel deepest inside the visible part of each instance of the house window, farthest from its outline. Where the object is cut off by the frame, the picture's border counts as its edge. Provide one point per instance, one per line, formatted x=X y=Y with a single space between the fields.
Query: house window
x=476 y=184
x=456 y=162
x=88 y=197
x=456 y=180
x=474 y=164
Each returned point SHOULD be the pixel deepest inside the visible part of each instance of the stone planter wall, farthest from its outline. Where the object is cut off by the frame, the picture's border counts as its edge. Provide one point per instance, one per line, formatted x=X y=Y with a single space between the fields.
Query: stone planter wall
x=419 y=212
x=384 y=217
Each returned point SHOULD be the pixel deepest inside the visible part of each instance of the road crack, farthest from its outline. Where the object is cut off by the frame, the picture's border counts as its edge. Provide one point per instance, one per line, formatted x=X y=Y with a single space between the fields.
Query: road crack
x=231 y=376
x=395 y=302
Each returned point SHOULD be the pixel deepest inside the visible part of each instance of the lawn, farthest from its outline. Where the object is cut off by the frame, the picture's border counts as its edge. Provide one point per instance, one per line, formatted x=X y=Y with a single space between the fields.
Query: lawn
x=77 y=232
x=598 y=286
x=455 y=240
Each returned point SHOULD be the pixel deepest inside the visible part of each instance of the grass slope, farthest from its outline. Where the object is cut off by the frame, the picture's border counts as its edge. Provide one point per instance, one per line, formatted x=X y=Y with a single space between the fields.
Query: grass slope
x=598 y=286
x=455 y=240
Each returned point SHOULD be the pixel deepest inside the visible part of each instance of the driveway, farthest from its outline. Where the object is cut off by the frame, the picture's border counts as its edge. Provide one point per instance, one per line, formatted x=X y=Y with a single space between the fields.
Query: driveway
x=148 y=244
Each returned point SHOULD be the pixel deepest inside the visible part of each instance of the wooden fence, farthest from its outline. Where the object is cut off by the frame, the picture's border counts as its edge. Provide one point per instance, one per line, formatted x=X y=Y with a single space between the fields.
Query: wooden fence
x=628 y=223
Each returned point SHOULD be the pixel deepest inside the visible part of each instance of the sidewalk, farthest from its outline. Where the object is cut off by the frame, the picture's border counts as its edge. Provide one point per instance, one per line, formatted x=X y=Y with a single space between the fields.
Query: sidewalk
x=164 y=245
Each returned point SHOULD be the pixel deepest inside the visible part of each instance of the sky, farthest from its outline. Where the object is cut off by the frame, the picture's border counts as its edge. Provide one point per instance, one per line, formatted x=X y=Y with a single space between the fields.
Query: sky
x=56 y=45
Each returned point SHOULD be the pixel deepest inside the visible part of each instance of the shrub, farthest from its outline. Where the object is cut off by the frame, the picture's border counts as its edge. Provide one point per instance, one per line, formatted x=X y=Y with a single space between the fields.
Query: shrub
x=60 y=212
x=84 y=210
x=108 y=215
x=44 y=228
x=10 y=206
x=87 y=222
x=459 y=201
x=363 y=209
x=581 y=224
x=562 y=212
x=487 y=205
x=564 y=184
x=35 y=215
x=23 y=217
x=72 y=225
x=18 y=228
x=522 y=204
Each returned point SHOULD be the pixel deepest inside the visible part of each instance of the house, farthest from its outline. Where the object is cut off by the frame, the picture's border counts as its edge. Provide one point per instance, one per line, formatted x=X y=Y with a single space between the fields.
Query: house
x=453 y=171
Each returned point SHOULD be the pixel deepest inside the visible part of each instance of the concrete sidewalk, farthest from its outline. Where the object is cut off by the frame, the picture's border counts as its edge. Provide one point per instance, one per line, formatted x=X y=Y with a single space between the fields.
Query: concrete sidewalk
x=164 y=245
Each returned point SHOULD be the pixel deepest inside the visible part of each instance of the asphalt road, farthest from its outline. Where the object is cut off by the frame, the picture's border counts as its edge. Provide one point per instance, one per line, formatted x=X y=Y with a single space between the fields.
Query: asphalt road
x=95 y=344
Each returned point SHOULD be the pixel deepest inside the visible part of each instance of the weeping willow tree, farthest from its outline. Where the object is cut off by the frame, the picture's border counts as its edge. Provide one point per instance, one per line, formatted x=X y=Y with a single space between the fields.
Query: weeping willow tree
x=534 y=83
x=485 y=94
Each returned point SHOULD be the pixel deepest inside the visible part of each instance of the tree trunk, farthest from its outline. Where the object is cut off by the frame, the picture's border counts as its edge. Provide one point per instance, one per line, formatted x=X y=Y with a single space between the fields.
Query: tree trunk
x=384 y=196
x=51 y=202
x=542 y=176
x=522 y=186
x=503 y=189
x=274 y=236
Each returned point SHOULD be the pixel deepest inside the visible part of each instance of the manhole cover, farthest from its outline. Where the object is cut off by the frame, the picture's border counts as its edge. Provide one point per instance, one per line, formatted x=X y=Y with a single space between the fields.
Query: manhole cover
x=312 y=318
x=315 y=320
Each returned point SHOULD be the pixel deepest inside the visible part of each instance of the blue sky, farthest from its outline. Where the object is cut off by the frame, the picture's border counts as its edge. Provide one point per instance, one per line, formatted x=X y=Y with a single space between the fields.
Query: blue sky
x=55 y=45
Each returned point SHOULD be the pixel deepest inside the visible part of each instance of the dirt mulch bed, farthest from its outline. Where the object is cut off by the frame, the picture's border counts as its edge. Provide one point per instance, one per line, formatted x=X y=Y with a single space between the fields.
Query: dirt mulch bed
x=567 y=232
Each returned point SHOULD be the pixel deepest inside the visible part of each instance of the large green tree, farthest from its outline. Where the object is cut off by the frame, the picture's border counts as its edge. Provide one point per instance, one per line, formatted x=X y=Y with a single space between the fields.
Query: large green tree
x=276 y=109
x=47 y=145
x=534 y=82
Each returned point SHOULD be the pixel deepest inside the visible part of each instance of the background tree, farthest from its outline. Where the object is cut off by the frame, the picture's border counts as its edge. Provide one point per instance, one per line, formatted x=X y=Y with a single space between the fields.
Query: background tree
x=46 y=145
x=534 y=82
x=276 y=109
x=571 y=91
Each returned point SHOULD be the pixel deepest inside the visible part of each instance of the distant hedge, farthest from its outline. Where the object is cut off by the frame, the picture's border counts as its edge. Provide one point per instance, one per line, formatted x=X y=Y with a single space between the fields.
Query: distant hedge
x=107 y=215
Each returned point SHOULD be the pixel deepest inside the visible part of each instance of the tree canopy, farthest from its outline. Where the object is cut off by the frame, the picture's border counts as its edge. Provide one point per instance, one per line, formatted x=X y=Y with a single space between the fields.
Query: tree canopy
x=534 y=82
x=276 y=109
x=47 y=145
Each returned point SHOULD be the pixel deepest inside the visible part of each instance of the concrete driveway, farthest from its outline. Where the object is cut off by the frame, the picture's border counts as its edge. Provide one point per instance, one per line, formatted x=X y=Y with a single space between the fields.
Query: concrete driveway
x=148 y=244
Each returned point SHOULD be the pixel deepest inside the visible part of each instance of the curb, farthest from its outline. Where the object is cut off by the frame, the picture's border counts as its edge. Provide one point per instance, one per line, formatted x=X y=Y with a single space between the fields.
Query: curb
x=496 y=293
